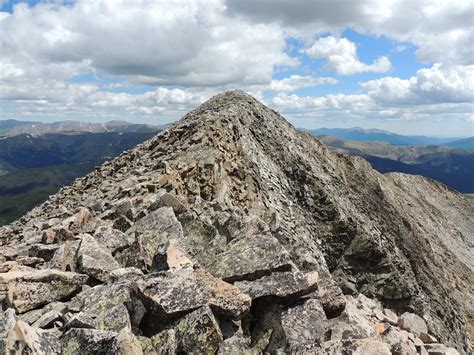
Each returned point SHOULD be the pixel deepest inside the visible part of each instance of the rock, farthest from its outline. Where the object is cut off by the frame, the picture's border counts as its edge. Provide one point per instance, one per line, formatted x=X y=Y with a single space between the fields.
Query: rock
x=355 y=347
x=24 y=339
x=250 y=258
x=171 y=255
x=125 y=343
x=154 y=230
x=113 y=239
x=390 y=317
x=27 y=290
x=440 y=349
x=412 y=323
x=280 y=284
x=330 y=295
x=381 y=328
x=125 y=274
x=180 y=290
x=87 y=341
x=94 y=260
x=7 y=323
x=65 y=258
x=304 y=323
x=79 y=320
x=34 y=315
x=198 y=332
x=427 y=338
x=354 y=322
x=170 y=200
x=48 y=319
x=105 y=305
x=164 y=342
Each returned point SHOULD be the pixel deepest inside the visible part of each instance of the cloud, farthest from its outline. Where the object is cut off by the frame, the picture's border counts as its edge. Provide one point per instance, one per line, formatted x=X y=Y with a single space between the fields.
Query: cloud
x=295 y=82
x=151 y=42
x=442 y=93
x=341 y=56
x=442 y=30
x=433 y=85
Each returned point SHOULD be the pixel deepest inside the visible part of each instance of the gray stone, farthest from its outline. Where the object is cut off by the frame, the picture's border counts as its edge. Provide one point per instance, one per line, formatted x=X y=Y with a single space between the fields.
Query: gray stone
x=152 y=231
x=125 y=343
x=281 y=284
x=412 y=323
x=250 y=258
x=181 y=290
x=304 y=323
x=113 y=239
x=87 y=341
x=198 y=332
x=94 y=260
x=105 y=304
x=27 y=290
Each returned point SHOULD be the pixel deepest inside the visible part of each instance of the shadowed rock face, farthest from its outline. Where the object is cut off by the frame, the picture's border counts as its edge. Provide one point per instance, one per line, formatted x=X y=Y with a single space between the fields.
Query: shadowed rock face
x=236 y=224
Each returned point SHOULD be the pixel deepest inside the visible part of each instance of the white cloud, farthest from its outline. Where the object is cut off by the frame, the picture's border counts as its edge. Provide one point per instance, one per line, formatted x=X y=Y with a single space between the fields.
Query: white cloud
x=295 y=82
x=341 y=56
x=157 y=43
x=429 y=86
x=441 y=29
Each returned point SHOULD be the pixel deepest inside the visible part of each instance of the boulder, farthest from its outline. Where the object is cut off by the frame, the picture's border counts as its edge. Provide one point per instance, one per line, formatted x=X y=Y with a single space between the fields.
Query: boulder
x=26 y=290
x=65 y=258
x=198 y=332
x=250 y=258
x=25 y=339
x=87 y=341
x=79 y=320
x=151 y=231
x=281 y=284
x=330 y=295
x=113 y=239
x=304 y=323
x=440 y=349
x=95 y=260
x=105 y=305
x=7 y=322
x=34 y=315
x=390 y=317
x=412 y=323
x=125 y=343
x=354 y=322
x=177 y=291
x=170 y=255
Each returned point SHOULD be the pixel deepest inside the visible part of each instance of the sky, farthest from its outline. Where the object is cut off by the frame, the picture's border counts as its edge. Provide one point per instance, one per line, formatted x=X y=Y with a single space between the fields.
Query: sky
x=406 y=66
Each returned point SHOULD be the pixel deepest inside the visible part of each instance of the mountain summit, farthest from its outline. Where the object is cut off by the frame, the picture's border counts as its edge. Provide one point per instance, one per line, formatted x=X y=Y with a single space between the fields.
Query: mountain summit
x=231 y=231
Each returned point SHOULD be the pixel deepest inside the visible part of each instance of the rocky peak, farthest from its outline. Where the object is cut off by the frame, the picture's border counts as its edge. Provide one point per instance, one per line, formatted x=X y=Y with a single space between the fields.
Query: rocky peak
x=233 y=232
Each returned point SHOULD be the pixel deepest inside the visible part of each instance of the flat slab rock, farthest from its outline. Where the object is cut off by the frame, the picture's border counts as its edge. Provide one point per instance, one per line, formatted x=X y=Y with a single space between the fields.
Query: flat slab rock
x=250 y=258
x=181 y=290
x=280 y=284
x=27 y=290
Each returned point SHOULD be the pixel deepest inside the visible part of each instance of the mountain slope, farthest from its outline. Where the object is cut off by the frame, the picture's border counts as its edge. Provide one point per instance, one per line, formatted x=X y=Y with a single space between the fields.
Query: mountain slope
x=466 y=143
x=230 y=213
x=453 y=167
x=35 y=167
x=360 y=134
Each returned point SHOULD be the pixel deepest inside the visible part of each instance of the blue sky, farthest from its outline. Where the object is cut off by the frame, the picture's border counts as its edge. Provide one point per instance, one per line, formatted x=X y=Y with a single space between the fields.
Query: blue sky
x=404 y=66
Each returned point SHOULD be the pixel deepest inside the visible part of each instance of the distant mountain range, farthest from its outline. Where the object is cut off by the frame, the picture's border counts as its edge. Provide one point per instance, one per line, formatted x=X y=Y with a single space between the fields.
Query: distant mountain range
x=35 y=165
x=453 y=167
x=14 y=127
x=361 y=134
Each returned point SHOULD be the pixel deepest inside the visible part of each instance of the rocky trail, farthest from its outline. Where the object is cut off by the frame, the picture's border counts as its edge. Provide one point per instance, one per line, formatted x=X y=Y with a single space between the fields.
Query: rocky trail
x=231 y=232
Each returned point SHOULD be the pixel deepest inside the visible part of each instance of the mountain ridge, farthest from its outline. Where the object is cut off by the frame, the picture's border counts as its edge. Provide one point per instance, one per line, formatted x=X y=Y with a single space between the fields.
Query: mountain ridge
x=234 y=172
x=361 y=134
